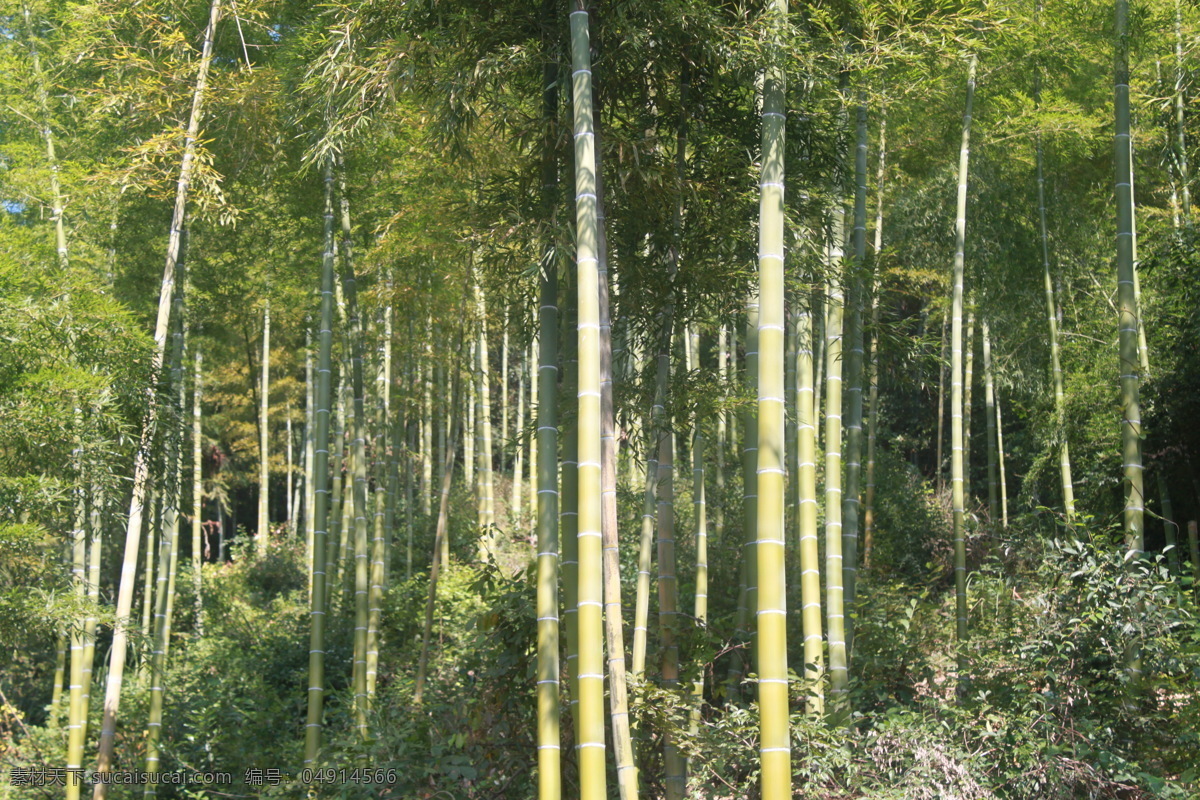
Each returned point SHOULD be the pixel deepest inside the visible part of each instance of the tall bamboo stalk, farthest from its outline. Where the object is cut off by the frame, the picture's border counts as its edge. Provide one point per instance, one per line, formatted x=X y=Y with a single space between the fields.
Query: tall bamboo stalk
x=321 y=493
x=197 y=486
x=989 y=399
x=141 y=467
x=770 y=550
x=168 y=556
x=1056 y=375
x=873 y=365
x=1131 y=428
x=854 y=375
x=439 y=533
x=700 y=515
x=810 y=567
x=264 y=474
x=956 y=385
x=834 y=572
x=590 y=677
x=627 y=774
x=358 y=448
x=548 y=735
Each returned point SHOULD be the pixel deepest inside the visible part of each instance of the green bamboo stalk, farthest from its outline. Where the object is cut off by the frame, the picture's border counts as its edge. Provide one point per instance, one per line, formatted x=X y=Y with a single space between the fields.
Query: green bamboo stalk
x=517 y=491
x=321 y=492
x=627 y=774
x=168 y=557
x=956 y=387
x=439 y=533
x=968 y=384
x=839 y=710
x=854 y=377
x=722 y=430
x=1194 y=550
x=1170 y=527
x=700 y=514
x=748 y=591
x=1000 y=466
x=873 y=365
x=95 y=547
x=1056 y=375
x=359 y=460
x=47 y=131
x=79 y=587
x=989 y=397
x=486 y=457
x=141 y=462
x=197 y=487
x=1131 y=428
x=770 y=549
x=1180 y=154
x=810 y=568
x=590 y=677
x=310 y=426
x=546 y=461
x=264 y=475
x=382 y=529
x=426 y=433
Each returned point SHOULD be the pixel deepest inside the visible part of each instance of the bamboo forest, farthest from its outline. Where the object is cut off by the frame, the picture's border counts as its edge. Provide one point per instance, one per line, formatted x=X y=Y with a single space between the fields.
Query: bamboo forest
x=456 y=400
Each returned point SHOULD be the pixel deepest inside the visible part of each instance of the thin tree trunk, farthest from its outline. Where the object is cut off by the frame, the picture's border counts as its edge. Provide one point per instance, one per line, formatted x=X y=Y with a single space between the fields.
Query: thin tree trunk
x=770 y=548
x=141 y=466
x=426 y=372
x=517 y=493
